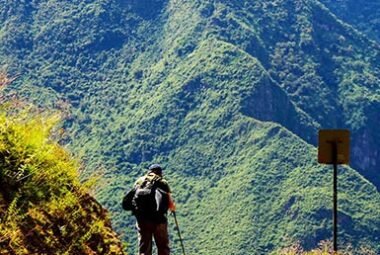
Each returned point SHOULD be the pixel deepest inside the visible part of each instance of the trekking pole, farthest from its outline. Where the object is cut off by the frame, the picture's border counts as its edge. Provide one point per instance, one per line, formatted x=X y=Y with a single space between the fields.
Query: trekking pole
x=179 y=232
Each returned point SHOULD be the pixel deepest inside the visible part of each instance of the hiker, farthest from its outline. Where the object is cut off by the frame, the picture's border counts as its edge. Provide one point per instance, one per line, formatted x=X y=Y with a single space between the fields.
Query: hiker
x=150 y=201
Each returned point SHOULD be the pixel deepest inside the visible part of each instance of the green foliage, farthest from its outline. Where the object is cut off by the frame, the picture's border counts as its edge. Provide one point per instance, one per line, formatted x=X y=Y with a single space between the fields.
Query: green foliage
x=363 y=15
x=227 y=95
x=43 y=207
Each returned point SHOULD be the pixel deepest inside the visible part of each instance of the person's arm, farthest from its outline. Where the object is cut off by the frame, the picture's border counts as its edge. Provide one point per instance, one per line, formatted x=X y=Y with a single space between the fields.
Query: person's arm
x=172 y=207
x=166 y=188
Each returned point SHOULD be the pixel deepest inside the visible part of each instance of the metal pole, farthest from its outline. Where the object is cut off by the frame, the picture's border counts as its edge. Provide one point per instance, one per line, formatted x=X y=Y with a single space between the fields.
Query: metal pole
x=179 y=233
x=335 y=197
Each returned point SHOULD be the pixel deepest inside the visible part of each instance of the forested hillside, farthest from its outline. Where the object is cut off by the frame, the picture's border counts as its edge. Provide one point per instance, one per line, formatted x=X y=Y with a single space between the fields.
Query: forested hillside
x=227 y=95
x=43 y=207
x=364 y=15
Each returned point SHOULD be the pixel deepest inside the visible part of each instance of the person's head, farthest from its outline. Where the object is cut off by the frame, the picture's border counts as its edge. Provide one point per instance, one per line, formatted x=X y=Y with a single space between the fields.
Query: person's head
x=156 y=168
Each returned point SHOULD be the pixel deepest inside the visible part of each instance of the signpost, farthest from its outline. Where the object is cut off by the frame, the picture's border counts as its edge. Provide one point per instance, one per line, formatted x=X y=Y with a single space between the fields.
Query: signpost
x=334 y=148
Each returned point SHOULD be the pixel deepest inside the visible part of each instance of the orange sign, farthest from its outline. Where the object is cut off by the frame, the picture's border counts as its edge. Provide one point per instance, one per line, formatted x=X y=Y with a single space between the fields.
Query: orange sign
x=334 y=141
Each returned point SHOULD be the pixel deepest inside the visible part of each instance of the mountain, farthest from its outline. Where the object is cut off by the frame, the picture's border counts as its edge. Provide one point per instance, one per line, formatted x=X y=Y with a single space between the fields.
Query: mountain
x=363 y=15
x=227 y=95
x=44 y=209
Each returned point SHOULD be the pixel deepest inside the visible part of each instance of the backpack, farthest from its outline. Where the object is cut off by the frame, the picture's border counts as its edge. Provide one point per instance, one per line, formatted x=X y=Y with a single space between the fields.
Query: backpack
x=149 y=200
x=127 y=202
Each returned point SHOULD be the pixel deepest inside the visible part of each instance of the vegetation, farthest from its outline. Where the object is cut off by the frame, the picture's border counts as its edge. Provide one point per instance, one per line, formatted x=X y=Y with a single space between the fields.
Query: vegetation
x=43 y=207
x=227 y=95
x=324 y=248
x=363 y=15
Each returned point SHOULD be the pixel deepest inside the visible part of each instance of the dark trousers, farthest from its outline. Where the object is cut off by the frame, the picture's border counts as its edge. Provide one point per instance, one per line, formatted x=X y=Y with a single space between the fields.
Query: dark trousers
x=147 y=231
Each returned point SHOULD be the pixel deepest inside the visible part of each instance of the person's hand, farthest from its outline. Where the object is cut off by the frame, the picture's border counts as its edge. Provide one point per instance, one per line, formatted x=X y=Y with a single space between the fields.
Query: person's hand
x=172 y=207
x=171 y=204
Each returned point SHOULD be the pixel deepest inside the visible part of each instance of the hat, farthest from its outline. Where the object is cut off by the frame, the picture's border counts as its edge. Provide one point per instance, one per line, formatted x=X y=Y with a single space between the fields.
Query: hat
x=155 y=167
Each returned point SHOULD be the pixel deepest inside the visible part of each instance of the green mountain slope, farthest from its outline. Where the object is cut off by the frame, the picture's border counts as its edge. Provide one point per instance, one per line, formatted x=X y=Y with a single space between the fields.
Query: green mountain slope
x=44 y=209
x=227 y=95
x=363 y=15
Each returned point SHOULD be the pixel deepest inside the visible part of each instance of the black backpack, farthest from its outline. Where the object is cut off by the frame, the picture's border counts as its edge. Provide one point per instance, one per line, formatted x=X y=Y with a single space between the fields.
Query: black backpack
x=127 y=202
x=149 y=200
